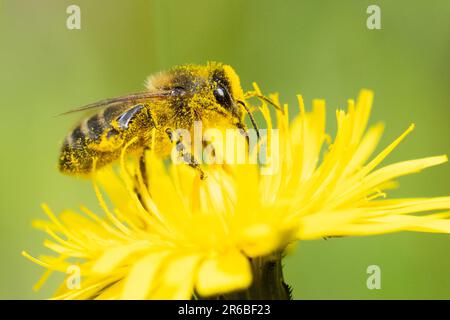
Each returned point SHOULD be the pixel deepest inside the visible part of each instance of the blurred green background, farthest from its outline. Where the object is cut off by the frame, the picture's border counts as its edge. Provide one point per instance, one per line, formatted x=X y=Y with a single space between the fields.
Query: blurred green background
x=320 y=49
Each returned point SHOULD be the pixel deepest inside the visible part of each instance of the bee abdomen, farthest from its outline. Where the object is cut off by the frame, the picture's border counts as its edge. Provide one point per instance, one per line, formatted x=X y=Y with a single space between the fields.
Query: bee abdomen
x=76 y=156
x=75 y=159
x=83 y=149
x=95 y=126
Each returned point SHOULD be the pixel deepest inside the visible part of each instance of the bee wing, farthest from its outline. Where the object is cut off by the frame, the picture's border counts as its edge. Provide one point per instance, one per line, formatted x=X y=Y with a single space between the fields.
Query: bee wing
x=128 y=99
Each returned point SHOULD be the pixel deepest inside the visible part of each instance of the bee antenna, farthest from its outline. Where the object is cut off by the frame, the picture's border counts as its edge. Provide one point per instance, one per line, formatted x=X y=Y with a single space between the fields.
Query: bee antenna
x=264 y=98
x=252 y=119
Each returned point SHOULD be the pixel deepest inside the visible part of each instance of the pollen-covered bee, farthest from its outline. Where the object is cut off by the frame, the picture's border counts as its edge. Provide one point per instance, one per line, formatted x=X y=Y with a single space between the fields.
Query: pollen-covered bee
x=174 y=99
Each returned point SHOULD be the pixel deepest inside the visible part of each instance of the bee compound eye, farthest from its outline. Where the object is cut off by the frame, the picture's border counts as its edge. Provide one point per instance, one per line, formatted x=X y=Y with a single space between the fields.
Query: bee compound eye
x=222 y=96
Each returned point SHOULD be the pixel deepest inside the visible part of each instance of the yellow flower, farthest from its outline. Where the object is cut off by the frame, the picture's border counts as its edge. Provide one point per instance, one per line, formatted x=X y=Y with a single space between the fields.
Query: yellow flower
x=185 y=237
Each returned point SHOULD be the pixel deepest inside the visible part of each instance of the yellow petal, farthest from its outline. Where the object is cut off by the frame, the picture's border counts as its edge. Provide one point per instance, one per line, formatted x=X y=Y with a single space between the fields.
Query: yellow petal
x=259 y=239
x=177 y=281
x=112 y=257
x=325 y=224
x=429 y=223
x=224 y=273
x=142 y=277
x=358 y=190
x=365 y=148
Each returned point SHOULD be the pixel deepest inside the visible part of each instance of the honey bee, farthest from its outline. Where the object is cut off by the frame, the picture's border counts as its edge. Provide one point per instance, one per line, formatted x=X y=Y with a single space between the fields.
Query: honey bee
x=210 y=93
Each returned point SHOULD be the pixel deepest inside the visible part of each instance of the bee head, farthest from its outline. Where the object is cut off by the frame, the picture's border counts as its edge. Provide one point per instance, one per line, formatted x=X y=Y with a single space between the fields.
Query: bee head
x=225 y=86
x=228 y=93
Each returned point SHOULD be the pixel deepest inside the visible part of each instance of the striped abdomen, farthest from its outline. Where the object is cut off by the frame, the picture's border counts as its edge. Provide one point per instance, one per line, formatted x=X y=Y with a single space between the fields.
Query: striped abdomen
x=96 y=139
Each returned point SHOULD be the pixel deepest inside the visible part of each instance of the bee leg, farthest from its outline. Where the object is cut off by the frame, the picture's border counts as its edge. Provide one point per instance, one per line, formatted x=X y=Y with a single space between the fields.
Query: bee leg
x=141 y=178
x=207 y=143
x=143 y=166
x=193 y=163
x=187 y=156
x=243 y=131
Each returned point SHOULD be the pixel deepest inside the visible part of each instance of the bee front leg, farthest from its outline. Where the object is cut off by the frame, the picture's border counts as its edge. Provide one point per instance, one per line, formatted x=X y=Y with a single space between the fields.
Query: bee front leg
x=243 y=131
x=188 y=157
